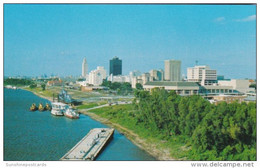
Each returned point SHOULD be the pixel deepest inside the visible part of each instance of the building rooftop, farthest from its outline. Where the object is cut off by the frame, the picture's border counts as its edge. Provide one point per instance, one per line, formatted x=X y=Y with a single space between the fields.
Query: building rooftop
x=250 y=98
x=217 y=87
x=166 y=83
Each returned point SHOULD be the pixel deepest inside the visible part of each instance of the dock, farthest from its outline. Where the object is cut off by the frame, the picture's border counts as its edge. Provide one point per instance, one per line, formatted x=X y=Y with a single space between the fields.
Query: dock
x=91 y=145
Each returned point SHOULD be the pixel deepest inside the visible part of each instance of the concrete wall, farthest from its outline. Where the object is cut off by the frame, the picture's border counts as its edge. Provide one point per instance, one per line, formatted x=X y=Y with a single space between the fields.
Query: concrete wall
x=241 y=85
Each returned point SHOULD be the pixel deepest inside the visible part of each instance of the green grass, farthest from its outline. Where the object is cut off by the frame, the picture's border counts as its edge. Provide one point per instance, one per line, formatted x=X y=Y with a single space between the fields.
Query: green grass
x=124 y=115
x=46 y=93
x=90 y=105
x=86 y=106
x=76 y=94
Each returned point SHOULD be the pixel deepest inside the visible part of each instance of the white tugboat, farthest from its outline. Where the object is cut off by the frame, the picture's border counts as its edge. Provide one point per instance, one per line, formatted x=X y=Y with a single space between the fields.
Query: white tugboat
x=71 y=113
x=58 y=108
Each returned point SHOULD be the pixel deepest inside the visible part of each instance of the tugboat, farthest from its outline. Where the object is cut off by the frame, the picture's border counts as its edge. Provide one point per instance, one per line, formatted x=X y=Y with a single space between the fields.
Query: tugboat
x=41 y=107
x=71 y=113
x=48 y=107
x=33 y=107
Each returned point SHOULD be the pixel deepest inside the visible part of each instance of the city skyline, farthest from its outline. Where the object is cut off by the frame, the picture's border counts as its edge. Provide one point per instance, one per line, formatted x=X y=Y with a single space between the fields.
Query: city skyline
x=44 y=39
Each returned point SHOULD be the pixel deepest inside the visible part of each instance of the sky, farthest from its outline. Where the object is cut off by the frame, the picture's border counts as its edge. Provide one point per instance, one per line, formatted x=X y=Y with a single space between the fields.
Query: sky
x=54 y=38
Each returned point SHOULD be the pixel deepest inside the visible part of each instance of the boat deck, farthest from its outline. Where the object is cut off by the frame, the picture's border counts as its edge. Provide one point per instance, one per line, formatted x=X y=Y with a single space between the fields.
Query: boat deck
x=91 y=145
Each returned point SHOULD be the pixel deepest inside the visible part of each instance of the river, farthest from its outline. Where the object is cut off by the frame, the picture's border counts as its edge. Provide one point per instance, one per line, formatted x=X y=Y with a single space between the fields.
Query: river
x=40 y=136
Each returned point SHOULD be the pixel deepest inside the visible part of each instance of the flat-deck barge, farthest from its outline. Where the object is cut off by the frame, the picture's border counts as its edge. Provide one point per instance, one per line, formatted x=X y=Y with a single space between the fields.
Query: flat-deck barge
x=91 y=145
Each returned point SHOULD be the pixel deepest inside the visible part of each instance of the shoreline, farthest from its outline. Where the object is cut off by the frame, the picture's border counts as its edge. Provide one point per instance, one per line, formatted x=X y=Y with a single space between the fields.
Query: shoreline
x=160 y=155
x=37 y=94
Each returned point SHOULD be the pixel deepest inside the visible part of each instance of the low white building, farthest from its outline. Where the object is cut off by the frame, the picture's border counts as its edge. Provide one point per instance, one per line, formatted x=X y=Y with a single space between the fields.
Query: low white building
x=190 y=88
x=119 y=78
x=83 y=82
x=142 y=79
x=181 y=88
x=134 y=75
x=97 y=76
x=202 y=74
x=156 y=75
x=145 y=78
x=241 y=85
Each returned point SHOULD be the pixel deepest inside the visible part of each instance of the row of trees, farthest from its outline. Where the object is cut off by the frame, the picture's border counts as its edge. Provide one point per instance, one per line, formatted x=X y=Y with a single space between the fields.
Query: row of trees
x=121 y=88
x=22 y=82
x=34 y=85
x=215 y=132
x=17 y=82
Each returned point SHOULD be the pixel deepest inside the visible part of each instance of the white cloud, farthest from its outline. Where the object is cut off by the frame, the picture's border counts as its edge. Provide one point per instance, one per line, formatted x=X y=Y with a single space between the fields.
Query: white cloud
x=247 y=19
x=220 y=19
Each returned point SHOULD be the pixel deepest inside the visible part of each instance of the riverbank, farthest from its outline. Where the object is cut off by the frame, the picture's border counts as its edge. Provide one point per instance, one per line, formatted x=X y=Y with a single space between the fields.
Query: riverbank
x=37 y=93
x=40 y=142
x=159 y=154
x=151 y=148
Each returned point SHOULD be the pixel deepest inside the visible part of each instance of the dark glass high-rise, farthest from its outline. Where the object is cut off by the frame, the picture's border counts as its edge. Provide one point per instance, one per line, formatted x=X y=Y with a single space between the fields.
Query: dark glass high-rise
x=115 y=66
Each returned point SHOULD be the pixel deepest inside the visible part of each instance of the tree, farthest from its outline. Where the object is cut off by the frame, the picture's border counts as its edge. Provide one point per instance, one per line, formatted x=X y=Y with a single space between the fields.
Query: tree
x=106 y=83
x=43 y=86
x=17 y=82
x=219 y=132
x=252 y=85
x=33 y=85
x=139 y=86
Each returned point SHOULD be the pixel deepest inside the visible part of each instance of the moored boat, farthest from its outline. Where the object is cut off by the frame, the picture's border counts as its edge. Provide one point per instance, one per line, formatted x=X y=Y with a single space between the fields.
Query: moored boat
x=41 y=107
x=33 y=107
x=48 y=107
x=58 y=108
x=71 y=113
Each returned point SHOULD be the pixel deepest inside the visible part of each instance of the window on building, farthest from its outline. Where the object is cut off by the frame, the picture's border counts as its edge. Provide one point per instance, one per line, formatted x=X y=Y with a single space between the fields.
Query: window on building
x=187 y=91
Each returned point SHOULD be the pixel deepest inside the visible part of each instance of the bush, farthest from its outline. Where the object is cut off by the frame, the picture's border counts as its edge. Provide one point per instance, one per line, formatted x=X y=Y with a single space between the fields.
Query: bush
x=33 y=85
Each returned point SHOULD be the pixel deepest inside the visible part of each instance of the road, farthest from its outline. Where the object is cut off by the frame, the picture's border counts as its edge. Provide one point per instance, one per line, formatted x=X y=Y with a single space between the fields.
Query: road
x=112 y=104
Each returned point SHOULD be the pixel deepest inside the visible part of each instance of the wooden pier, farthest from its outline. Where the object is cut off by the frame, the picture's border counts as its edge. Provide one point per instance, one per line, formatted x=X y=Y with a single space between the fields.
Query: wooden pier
x=91 y=145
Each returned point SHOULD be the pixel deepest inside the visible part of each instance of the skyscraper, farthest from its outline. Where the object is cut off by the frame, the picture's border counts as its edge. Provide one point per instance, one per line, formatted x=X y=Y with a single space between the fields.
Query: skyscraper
x=84 y=68
x=115 y=66
x=172 y=70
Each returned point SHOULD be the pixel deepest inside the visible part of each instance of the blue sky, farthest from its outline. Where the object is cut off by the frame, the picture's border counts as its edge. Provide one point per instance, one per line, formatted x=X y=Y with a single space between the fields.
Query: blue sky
x=44 y=39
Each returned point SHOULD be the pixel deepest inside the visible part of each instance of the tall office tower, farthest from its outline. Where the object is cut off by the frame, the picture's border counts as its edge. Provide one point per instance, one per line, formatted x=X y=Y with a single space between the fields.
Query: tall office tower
x=172 y=70
x=202 y=74
x=115 y=66
x=84 y=68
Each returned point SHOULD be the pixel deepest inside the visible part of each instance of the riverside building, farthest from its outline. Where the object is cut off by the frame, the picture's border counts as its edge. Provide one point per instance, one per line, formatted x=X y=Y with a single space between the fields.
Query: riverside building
x=241 y=85
x=202 y=74
x=190 y=88
x=181 y=88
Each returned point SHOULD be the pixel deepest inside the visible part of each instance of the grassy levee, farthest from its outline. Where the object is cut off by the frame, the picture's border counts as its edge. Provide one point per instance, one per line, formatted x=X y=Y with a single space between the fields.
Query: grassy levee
x=48 y=94
x=91 y=105
x=154 y=142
